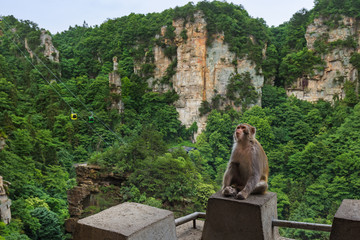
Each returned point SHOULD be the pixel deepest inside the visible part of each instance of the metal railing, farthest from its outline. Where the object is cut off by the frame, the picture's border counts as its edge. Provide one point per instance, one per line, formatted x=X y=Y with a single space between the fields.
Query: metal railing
x=301 y=225
x=188 y=218
x=275 y=223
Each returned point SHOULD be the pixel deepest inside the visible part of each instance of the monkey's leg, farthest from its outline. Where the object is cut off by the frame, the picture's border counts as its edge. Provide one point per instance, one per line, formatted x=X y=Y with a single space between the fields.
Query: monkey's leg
x=260 y=188
x=249 y=187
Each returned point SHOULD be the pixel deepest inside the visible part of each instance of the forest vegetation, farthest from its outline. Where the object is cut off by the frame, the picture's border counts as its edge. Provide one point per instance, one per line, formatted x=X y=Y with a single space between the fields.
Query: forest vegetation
x=313 y=148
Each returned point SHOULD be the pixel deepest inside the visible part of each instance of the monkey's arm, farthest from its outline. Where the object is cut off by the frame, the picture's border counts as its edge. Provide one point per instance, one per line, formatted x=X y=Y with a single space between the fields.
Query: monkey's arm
x=226 y=189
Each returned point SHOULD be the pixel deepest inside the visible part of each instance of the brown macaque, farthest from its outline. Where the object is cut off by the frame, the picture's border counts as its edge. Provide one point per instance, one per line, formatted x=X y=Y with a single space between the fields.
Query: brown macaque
x=248 y=169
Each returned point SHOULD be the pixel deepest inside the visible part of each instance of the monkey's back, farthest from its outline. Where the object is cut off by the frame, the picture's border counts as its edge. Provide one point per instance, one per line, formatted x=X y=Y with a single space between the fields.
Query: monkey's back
x=262 y=160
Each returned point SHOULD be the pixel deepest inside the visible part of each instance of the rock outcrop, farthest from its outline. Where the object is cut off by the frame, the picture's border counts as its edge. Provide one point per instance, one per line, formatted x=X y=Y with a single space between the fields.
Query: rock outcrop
x=202 y=71
x=115 y=88
x=2 y=143
x=330 y=82
x=89 y=179
x=49 y=50
x=5 y=203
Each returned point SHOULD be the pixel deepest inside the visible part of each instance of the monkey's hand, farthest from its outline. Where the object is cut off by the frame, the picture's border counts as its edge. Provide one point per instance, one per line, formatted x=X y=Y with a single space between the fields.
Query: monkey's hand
x=229 y=191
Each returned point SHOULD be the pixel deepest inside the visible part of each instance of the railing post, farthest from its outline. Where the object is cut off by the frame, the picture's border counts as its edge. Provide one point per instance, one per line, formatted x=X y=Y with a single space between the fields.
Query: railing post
x=127 y=221
x=228 y=218
x=346 y=224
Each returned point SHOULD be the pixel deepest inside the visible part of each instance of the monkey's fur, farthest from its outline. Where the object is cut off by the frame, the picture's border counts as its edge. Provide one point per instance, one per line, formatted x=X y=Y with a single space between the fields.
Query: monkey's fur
x=248 y=169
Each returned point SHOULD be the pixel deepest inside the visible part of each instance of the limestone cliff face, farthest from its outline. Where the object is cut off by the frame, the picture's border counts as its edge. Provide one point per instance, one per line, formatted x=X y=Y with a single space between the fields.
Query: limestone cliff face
x=328 y=83
x=49 y=50
x=5 y=203
x=115 y=88
x=202 y=71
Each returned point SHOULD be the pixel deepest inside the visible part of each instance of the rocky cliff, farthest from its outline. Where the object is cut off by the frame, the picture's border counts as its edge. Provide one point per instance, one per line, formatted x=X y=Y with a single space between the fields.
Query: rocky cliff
x=202 y=70
x=5 y=203
x=90 y=180
x=49 y=50
x=337 y=67
x=115 y=88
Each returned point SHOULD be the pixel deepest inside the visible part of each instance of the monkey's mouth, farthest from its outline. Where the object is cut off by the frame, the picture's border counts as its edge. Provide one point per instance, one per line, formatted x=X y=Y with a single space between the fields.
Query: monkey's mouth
x=239 y=135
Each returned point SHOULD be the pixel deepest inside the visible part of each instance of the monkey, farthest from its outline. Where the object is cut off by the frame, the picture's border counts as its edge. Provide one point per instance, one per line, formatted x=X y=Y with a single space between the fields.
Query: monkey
x=248 y=169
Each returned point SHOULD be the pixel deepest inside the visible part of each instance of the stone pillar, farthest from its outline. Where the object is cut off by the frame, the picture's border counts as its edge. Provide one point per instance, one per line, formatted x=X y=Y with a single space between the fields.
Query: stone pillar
x=127 y=221
x=231 y=219
x=5 y=203
x=115 y=88
x=346 y=224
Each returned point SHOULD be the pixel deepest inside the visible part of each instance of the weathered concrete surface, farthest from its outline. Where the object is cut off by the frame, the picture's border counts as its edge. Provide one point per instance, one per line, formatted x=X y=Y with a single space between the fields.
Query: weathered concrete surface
x=346 y=224
x=127 y=221
x=230 y=219
x=187 y=232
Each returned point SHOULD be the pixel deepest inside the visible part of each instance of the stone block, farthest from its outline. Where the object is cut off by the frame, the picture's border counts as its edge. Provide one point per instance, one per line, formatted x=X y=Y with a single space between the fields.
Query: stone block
x=127 y=221
x=231 y=219
x=346 y=224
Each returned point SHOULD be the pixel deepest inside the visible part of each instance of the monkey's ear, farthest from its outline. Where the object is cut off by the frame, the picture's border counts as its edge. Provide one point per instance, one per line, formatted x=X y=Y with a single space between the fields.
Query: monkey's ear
x=253 y=131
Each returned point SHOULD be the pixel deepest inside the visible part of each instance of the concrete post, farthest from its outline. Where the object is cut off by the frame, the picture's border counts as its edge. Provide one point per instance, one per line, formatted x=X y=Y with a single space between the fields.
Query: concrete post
x=250 y=219
x=127 y=221
x=346 y=224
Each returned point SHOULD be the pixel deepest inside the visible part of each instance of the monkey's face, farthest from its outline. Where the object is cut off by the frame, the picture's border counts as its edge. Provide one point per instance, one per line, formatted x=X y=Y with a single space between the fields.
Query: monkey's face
x=244 y=131
x=241 y=130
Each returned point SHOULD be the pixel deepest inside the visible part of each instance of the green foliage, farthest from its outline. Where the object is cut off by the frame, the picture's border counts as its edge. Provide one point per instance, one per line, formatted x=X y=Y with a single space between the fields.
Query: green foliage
x=336 y=7
x=166 y=177
x=313 y=148
x=204 y=191
x=241 y=91
x=351 y=94
x=205 y=108
x=49 y=224
x=272 y=96
x=170 y=71
x=271 y=63
x=256 y=117
x=299 y=64
x=355 y=60
x=183 y=34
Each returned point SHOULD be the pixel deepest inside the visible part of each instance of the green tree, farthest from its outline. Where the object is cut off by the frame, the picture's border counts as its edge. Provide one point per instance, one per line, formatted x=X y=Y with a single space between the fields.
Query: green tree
x=50 y=225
